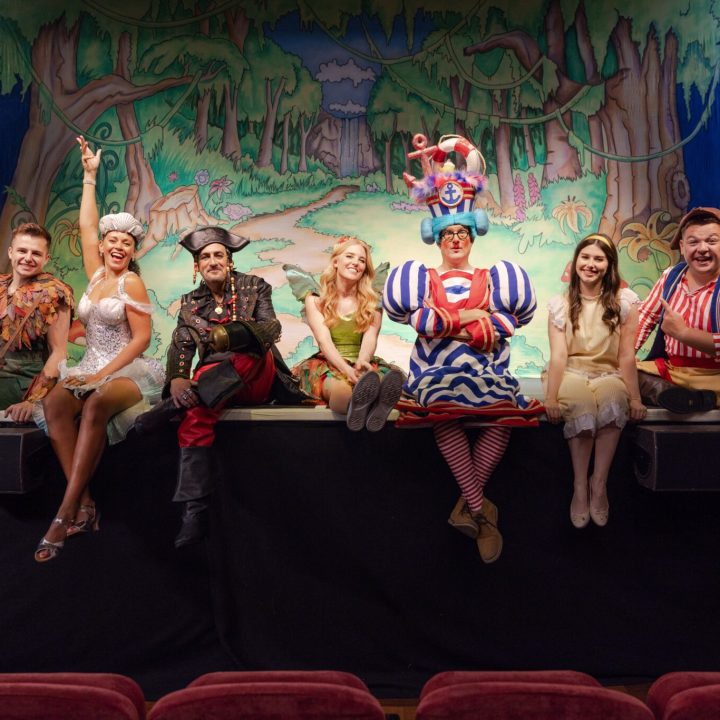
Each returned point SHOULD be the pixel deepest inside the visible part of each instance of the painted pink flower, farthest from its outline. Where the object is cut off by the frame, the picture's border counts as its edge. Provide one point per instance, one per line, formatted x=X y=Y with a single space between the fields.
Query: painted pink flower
x=235 y=211
x=219 y=187
x=173 y=176
x=533 y=190
x=519 y=197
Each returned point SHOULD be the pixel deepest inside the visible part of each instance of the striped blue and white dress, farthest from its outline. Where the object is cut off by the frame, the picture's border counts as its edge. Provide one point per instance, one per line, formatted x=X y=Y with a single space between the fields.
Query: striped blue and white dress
x=474 y=372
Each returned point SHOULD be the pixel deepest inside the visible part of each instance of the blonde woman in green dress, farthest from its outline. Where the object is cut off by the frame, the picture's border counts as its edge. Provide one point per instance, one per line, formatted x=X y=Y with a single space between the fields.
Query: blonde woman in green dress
x=345 y=317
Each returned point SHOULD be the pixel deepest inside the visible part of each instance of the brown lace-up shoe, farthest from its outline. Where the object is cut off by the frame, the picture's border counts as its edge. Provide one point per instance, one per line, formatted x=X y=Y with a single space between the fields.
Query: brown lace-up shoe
x=461 y=519
x=489 y=539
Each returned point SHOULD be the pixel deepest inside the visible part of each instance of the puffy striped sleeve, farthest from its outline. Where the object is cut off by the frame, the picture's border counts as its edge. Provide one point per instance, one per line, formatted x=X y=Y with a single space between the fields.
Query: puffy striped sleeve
x=512 y=298
x=406 y=300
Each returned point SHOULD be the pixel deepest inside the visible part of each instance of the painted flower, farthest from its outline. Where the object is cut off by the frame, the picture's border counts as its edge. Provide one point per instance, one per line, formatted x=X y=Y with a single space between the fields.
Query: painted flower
x=533 y=190
x=219 y=187
x=569 y=212
x=65 y=229
x=202 y=177
x=173 y=176
x=235 y=211
x=651 y=240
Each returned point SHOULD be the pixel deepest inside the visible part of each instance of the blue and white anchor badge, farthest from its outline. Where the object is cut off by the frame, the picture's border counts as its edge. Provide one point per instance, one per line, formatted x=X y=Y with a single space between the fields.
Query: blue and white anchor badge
x=451 y=193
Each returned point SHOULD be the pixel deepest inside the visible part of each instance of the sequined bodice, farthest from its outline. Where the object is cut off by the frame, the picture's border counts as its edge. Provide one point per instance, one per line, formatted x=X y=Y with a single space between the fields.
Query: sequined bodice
x=107 y=330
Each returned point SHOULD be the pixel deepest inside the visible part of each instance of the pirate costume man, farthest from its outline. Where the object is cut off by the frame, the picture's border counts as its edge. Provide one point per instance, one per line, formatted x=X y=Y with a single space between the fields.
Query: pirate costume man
x=230 y=322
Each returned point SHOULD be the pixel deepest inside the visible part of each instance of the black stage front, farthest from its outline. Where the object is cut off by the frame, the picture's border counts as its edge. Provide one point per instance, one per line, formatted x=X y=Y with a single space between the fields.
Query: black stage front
x=332 y=550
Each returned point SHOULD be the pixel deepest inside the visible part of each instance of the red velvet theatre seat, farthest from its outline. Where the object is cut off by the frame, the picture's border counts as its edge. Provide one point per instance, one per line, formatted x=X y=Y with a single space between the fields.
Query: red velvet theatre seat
x=268 y=701
x=32 y=701
x=331 y=677
x=108 y=681
x=685 y=696
x=461 y=677
x=529 y=701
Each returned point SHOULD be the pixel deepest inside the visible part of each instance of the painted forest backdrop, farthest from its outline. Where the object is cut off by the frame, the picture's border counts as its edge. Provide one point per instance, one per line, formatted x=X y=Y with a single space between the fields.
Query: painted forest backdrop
x=288 y=121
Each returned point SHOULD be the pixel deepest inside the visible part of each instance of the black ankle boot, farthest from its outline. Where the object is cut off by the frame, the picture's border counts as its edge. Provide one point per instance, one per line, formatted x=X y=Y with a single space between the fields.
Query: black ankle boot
x=195 y=523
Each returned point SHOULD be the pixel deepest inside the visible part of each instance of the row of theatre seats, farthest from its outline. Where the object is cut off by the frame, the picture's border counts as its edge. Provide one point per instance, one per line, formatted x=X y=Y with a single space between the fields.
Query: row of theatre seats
x=321 y=695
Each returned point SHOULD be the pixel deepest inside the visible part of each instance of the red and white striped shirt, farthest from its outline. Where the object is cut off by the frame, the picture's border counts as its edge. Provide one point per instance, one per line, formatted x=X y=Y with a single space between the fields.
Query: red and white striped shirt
x=693 y=306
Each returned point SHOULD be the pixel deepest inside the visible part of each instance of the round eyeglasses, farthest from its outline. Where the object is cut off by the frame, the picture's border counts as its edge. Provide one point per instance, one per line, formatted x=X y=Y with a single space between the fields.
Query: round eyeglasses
x=461 y=234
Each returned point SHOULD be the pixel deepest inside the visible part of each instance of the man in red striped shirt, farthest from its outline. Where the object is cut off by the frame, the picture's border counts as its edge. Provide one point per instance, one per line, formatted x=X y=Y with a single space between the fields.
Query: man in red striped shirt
x=682 y=371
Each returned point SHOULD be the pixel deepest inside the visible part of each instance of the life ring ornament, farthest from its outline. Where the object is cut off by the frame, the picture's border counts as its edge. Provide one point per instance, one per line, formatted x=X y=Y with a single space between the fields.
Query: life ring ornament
x=474 y=161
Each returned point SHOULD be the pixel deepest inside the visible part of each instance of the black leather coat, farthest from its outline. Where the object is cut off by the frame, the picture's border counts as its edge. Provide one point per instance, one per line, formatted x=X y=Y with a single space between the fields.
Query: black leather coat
x=198 y=316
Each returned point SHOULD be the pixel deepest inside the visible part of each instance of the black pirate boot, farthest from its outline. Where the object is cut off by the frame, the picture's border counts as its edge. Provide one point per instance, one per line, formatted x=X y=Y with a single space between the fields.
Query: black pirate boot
x=194 y=488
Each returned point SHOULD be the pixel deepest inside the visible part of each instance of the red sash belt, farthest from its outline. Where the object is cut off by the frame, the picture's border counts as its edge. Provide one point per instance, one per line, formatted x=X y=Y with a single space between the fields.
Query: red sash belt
x=705 y=363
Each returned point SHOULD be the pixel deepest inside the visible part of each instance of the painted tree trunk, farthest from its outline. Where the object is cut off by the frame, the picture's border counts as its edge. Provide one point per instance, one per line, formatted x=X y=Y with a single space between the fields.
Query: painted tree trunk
x=285 y=143
x=527 y=140
x=597 y=162
x=302 y=162
x=202 y=111
x=143 y=191
x=671 y=174
x=230 y=145
x=46 y=144
x=272 y=100
x=201 y=121
x=561 y=160
x=389 y=186
x=639 y=120
x=405 y=140
x=48 y=140
x=502 y=160
x=592 y=76
x=460 y=99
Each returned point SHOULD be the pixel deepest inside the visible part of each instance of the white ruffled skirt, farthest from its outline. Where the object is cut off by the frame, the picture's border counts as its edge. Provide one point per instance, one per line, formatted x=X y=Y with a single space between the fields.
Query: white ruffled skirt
x=147 y=373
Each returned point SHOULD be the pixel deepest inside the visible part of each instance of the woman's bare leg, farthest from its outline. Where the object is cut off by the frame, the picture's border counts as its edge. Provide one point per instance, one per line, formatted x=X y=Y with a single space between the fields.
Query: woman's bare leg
x=110 y=399
x=580 y=451
x=337 y=394
x=606 y=442
x=61 y=409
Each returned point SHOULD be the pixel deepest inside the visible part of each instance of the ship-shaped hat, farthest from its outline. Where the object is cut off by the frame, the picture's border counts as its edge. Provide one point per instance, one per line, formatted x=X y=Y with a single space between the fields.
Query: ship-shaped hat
x=449 y=193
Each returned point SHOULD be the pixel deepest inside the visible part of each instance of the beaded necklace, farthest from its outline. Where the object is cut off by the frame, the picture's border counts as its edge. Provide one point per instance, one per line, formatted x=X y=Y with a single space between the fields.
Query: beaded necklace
x=233 y=299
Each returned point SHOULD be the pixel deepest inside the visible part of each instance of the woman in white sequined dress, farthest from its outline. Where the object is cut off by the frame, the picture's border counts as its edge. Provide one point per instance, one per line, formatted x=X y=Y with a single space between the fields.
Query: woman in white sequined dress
x=113 y=376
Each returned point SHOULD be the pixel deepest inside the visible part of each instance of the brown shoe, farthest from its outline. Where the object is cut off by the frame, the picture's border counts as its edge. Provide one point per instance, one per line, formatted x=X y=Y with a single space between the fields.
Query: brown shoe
x=489 y=539
x=461 y=519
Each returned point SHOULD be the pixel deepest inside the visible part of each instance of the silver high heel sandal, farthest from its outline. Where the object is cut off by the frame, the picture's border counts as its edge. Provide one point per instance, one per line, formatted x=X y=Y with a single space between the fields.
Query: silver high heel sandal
x=91 y=522
x=47 y=550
